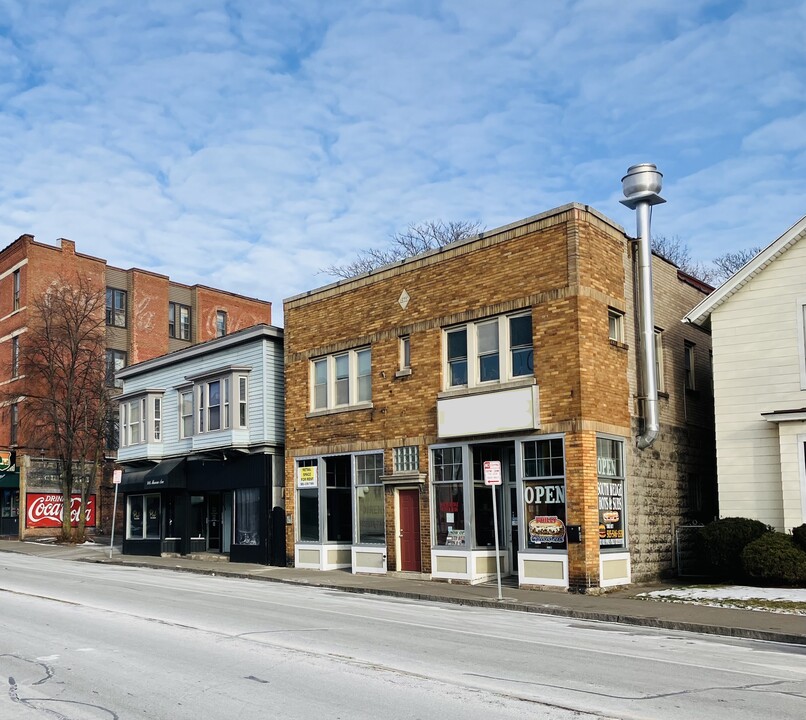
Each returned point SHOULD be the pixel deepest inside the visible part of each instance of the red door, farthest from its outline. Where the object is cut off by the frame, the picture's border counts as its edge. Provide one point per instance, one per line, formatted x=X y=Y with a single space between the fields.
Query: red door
x=409 y=530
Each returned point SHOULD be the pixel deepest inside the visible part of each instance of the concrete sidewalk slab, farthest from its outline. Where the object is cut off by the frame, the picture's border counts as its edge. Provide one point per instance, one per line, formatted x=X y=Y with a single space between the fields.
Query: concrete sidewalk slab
x=620 y=606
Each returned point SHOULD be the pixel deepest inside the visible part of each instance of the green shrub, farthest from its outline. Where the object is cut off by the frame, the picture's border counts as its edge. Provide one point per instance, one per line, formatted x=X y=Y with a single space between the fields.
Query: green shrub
x=724 y=540
x=775 y=559
x=799 y=536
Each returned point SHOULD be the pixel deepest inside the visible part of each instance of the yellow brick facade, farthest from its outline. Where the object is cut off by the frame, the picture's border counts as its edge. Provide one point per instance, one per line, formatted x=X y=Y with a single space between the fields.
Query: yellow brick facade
x=565 y=268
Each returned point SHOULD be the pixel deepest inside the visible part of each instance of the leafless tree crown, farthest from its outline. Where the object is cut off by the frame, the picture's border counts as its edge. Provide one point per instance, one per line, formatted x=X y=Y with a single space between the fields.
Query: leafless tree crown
x=715 y=272
x=415 y=240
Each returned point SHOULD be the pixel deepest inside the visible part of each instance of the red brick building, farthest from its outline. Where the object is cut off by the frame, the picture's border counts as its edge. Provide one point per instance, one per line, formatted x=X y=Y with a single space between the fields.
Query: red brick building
x=516 y=348
x=147 y=314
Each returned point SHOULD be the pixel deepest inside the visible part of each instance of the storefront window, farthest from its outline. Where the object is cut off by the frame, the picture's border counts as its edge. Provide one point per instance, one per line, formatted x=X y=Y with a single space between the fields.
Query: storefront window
x=610 y=467
x=339 y=518
x=10 y=504
x=308 y=500
x=369 y=498
x=449 y=505
x=247 y=516
x=143 y=517
x=198 y=517
x=544 y=494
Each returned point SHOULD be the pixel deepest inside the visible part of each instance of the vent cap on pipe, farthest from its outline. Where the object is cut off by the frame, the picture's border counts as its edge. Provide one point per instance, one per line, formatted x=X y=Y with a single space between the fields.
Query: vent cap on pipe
x=642 y=183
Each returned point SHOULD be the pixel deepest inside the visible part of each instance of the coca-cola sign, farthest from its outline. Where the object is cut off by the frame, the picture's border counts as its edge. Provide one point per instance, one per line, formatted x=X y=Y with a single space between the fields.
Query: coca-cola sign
x=45 y=510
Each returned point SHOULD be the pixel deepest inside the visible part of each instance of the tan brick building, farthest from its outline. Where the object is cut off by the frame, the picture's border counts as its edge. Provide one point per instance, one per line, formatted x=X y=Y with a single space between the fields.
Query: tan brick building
x=517 y=350
x=147 y=315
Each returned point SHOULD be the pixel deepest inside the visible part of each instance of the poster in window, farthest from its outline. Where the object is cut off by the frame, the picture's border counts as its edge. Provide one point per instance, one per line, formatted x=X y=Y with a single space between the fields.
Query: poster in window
x=307 y=477
x=611 y=513
x=544 y=506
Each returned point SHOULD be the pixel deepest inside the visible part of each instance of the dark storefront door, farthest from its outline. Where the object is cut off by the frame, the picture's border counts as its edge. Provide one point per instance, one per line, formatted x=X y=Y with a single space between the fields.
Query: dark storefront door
x=410 y=530
x=10 y=511
x=214 y=521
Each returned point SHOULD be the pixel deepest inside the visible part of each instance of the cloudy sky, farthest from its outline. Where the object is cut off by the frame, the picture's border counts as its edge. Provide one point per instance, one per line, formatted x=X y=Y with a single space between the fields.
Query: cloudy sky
x=247 y=144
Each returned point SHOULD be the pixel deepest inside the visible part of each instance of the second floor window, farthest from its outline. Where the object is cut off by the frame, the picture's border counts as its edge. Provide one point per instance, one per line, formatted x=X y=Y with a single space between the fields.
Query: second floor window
x=615 y=321
x=342 y=380
x=141 y=420
x=178 y=321
x=688 y=365
x=115 y=307
x=489 y=351
x=217 y=403
x=14 y=423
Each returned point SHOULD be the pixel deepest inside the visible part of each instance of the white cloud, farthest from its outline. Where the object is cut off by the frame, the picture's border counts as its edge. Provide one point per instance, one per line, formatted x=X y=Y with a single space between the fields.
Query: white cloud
x=247 y=145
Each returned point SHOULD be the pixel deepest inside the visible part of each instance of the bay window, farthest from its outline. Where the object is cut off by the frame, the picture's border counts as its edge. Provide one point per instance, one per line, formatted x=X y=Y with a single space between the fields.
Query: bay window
x=489 y=351
x=141 y=419
x=212 y=400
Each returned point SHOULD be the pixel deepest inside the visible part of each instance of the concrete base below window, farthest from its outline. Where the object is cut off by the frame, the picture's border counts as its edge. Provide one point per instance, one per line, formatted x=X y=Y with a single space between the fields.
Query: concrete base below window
x=322 y=557
x=536 y=569
x=614 y=569
x=471 y=566
x=369 y=559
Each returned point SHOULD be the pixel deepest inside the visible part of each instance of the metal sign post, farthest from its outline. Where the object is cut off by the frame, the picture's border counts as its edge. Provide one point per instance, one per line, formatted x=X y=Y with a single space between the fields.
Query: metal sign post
x=117 y=475
x=492 y=477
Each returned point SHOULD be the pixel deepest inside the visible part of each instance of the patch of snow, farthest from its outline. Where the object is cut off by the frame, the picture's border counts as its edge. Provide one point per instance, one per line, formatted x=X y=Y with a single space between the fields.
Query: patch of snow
x=730 y=592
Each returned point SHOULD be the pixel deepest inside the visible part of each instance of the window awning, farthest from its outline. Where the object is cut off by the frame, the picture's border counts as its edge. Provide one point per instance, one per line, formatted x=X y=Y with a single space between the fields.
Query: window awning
x=169 y=475
x=10 y=480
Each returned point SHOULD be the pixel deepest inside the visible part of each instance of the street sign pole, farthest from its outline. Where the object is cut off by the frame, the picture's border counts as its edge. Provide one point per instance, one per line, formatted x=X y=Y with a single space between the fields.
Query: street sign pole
x=492 y=477
x=116 y=478
x=497 y=555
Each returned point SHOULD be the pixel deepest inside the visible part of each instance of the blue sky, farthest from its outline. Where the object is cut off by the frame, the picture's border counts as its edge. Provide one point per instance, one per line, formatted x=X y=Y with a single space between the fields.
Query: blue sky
x=247 y=144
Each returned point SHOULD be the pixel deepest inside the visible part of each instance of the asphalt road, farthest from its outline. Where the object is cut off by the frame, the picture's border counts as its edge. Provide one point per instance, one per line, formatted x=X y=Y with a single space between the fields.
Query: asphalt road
x=82 y=641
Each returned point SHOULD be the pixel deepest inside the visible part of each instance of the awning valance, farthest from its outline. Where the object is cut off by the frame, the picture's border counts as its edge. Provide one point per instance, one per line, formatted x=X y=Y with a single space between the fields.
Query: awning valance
x=167 y=475
x=10 y=479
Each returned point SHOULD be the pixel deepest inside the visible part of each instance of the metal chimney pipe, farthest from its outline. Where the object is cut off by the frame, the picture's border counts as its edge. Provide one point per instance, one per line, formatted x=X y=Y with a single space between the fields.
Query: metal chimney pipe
x=641 y=185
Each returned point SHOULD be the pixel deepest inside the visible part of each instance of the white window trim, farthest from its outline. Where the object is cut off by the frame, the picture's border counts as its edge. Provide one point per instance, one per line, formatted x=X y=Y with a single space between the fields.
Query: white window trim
x=473 y=365
x=352 y=379
x=801 y=325
x=690 y=359
x=229 y=405
x=618 y=316
x=181 y=392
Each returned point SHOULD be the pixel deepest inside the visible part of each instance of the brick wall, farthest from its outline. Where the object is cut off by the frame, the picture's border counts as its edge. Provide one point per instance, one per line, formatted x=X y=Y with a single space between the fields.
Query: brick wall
x=242 y=312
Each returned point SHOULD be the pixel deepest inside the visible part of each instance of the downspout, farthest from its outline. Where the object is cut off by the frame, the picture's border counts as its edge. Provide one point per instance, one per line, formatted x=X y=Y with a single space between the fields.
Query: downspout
x=641 y=185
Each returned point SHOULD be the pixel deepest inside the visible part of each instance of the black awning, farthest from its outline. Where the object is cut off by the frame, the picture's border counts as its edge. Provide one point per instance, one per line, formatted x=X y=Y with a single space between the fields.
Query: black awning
x=169 y=475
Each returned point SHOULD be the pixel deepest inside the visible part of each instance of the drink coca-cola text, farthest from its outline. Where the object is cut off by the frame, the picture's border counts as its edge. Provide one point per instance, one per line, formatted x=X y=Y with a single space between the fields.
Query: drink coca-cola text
x=45 y=510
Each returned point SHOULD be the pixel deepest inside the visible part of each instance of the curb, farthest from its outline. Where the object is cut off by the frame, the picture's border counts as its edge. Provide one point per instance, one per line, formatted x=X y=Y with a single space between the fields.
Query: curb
x=553 y=610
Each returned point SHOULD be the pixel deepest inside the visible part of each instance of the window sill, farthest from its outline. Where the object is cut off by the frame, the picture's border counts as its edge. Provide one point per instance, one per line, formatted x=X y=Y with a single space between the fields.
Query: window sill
x=494 y=387
x=663 y=394
x=403 y=373
x=335 y=411
x=618 y=344
x=406 y=478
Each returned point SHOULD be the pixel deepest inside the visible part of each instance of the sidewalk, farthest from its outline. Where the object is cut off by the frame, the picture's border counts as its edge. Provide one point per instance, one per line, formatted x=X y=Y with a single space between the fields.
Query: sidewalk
x=622 y=606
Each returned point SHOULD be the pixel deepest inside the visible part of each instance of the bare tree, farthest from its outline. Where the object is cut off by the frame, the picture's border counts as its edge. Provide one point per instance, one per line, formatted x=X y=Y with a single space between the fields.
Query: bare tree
x=728 y=263
x=677 y=252
x=415 y=240
x=64 y=399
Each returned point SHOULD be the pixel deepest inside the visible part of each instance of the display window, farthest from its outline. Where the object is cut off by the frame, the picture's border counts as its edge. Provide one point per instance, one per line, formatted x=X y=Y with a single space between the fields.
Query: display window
x=143 y=517
x=610 y=469
x=544 y=502
x=449 y=497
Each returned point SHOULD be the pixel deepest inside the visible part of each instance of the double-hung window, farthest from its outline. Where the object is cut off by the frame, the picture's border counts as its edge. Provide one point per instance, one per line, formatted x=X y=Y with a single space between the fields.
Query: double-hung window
x=489 y=351
x=115 y=307
x=214 y=403
x=688 y=365
x=115 y=360
x=16 y=290
x=220 y=323
x=341 y=380
x=615 y=322
x=178 y=321
x=15 y=356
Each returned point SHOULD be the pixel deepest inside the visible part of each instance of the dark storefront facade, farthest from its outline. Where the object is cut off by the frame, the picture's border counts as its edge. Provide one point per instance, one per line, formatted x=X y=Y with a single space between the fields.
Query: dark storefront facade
x=198 y=504
x=10 y=503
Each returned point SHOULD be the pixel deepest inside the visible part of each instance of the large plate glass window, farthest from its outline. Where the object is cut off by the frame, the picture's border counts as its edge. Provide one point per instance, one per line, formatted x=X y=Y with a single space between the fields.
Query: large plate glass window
x=308 y=499
x=339 y=512
x=544 y=503
x=369 y=499
x=610 y=469
x=247 y=516
x=449 y=499
x=143 y=517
